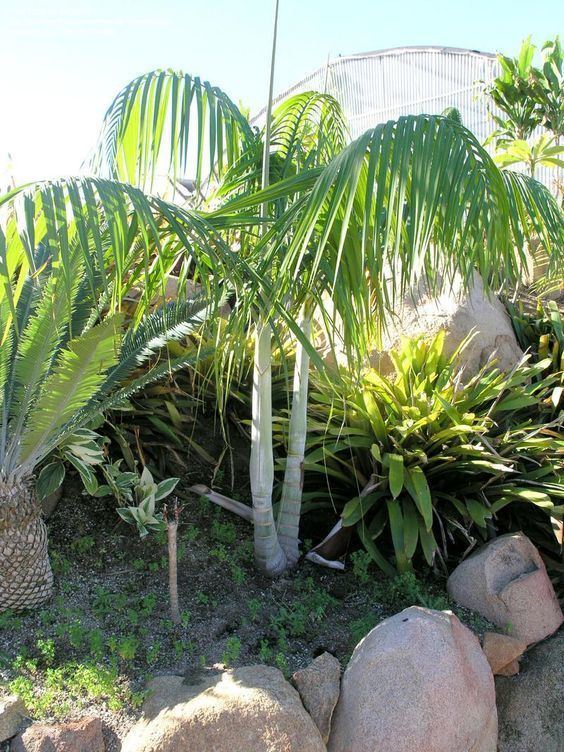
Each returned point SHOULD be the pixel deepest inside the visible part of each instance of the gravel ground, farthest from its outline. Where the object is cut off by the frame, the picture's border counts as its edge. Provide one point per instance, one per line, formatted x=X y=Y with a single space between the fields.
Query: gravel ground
x=111 y=583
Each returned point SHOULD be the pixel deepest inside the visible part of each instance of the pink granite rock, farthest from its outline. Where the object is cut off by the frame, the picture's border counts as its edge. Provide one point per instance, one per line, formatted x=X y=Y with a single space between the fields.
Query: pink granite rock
x=506 y=581
x=246 y=709
x=85 y=735
x=319 y=687
x=417 y=681
x=502 y=651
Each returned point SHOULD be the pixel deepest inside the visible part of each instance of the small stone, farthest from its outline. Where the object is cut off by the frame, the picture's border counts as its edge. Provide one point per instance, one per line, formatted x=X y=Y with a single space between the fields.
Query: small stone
x=506 y=581
x=319 y=688
x=12 y=713
x=85 y=735
x=512 y=669
x=502 y=650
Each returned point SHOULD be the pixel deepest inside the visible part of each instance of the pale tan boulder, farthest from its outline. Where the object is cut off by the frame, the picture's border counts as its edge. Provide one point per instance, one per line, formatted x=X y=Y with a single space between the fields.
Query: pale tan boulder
x=248 y=709
x=85 y=735
x=502 y=650
x=459 y=313
x=506 y=581
x=418 y=681
x=319 y=687
x=419 y=313
x=12 y=713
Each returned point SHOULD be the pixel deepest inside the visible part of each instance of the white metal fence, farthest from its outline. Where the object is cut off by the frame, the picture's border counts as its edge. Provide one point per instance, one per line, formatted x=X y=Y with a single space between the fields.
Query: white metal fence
x=382 y=85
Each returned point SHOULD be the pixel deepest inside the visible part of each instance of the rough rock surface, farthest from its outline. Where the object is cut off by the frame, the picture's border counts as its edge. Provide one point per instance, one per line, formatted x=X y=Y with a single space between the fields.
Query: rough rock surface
x=459 y=314
x=319 y=687
x=530 y=705
x=502 y=652
x=417 y=681
x=511 y=669
x=85 y=735
x=248 y=709
x=12 y=713
x=506 y=581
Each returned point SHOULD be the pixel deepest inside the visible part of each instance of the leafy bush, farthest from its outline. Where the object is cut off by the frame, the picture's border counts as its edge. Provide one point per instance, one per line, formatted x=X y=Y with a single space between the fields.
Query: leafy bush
x=541 y=332
x=423 y=465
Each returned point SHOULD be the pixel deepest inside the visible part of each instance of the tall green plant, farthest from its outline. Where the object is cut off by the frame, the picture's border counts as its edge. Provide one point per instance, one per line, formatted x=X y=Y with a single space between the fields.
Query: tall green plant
x=529 y=97
x=69 y=252
x=405 y=198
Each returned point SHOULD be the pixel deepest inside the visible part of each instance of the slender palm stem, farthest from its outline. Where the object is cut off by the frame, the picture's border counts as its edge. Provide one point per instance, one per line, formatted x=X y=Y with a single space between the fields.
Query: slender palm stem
x=269 y=556
x=172 y=528
x=290 y=505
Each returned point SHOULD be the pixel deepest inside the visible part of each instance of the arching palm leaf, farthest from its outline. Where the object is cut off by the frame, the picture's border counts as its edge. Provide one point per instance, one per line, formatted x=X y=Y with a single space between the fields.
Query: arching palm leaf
x=170 y=122
x=412 y=198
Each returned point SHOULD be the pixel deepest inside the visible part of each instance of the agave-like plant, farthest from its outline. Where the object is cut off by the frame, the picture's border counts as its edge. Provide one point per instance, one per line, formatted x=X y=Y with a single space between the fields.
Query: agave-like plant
x=398 y=450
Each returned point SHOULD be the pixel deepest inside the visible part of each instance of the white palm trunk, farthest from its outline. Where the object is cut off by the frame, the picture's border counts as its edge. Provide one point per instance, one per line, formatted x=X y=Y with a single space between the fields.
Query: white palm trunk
x=269 y=556
x=291 y=503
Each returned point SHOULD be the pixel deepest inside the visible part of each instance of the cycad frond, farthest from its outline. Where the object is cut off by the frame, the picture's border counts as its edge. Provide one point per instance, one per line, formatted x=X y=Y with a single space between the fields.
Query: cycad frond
x=172 y=322
x=39 y=341
x=78 y=375
x=119 y=396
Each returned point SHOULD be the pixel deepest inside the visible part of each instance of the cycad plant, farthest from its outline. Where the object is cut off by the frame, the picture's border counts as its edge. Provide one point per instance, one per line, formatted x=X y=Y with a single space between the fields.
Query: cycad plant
x=66 y=353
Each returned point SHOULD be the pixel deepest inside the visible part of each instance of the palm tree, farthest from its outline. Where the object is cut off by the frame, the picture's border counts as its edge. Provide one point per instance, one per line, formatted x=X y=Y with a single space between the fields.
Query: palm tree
x=408 y=198
x=304 y=134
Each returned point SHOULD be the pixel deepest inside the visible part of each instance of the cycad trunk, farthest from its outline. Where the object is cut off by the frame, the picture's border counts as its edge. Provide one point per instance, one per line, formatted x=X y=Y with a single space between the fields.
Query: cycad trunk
x=26 y=579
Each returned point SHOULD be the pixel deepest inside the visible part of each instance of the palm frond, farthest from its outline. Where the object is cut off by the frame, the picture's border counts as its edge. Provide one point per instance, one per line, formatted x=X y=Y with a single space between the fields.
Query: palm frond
x=406 y=200
x=307 y=130
x=163 y=119
x=534 y=210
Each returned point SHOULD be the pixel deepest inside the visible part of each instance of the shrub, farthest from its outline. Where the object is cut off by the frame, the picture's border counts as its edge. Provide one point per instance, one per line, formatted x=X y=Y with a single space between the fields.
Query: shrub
x=423 y=466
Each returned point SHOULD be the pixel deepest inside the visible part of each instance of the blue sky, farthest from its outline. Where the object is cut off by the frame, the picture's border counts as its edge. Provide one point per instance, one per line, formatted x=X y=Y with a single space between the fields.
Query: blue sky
x=64 y=60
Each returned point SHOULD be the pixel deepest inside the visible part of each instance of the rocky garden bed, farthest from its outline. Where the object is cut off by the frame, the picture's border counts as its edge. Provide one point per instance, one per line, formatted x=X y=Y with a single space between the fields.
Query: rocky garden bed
x=105 y=648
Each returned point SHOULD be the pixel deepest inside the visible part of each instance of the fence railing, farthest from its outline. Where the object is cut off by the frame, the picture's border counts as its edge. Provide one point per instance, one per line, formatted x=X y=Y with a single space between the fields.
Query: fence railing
x=382 y=85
